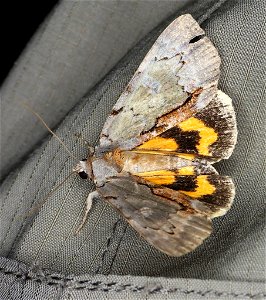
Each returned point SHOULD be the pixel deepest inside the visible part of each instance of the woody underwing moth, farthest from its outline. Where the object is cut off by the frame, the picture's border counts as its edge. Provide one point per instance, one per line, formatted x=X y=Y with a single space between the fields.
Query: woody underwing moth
x=154 y=161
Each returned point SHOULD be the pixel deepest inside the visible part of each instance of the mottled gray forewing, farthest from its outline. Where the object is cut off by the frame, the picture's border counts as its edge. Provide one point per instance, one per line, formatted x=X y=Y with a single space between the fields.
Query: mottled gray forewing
x=165 y=224
x=180 y=62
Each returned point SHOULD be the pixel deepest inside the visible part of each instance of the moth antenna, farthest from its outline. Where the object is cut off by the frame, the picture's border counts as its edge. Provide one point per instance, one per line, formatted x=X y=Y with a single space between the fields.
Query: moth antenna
x=81 y=138
x=48 y=128
x=38 y=206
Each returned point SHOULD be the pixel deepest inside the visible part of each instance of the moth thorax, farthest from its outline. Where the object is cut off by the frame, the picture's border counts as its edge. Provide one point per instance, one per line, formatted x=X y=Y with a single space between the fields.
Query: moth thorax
x=84 y=168
x=117 y=157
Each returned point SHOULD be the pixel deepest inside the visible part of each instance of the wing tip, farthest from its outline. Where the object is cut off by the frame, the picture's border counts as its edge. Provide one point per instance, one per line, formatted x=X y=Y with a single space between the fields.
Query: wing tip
x=228 y=105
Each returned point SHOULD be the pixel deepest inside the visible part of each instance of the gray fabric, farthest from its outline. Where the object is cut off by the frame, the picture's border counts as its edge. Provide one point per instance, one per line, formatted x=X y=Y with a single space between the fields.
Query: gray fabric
x=22 y=282
x=75 y=47
x=229 y=265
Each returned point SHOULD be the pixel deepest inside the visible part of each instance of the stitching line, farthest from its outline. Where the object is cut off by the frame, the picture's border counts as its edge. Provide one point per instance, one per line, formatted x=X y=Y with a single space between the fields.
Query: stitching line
x=112 y=286
x=23 y=195
x=118 y=245
x=22 y=226
x=205 y=16
x=108 y=243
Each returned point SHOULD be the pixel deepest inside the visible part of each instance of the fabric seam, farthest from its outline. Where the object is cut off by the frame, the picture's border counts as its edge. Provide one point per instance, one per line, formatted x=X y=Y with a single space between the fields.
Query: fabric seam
x=113 y=286
x=205 y=16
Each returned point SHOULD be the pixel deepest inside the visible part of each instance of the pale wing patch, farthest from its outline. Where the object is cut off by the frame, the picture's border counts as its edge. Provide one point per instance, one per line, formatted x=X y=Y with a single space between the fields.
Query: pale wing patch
x=174 y=69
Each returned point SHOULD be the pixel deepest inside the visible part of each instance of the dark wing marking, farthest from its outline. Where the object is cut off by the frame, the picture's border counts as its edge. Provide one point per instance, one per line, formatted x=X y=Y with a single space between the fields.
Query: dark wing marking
x=167 y=225
x=214 y=192
x=220 y=116
x=211 y=132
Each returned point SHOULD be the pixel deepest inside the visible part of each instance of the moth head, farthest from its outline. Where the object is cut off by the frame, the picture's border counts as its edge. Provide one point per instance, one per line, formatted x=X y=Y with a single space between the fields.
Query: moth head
x=84 y=168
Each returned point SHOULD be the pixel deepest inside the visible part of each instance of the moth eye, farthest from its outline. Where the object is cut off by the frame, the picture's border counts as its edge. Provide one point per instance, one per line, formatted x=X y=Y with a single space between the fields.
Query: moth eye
x=84 y=159
x=83 y=175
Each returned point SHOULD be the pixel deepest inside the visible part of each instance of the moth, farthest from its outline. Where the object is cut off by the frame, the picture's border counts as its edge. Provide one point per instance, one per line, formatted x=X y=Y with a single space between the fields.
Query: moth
x=154 y=161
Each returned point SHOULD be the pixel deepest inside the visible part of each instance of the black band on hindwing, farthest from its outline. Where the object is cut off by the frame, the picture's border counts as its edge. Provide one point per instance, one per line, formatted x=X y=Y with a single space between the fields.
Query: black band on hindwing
x=186 y=140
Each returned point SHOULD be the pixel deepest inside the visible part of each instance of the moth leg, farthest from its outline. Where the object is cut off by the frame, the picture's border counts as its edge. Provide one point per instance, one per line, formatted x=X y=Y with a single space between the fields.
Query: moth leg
x=89 y=201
